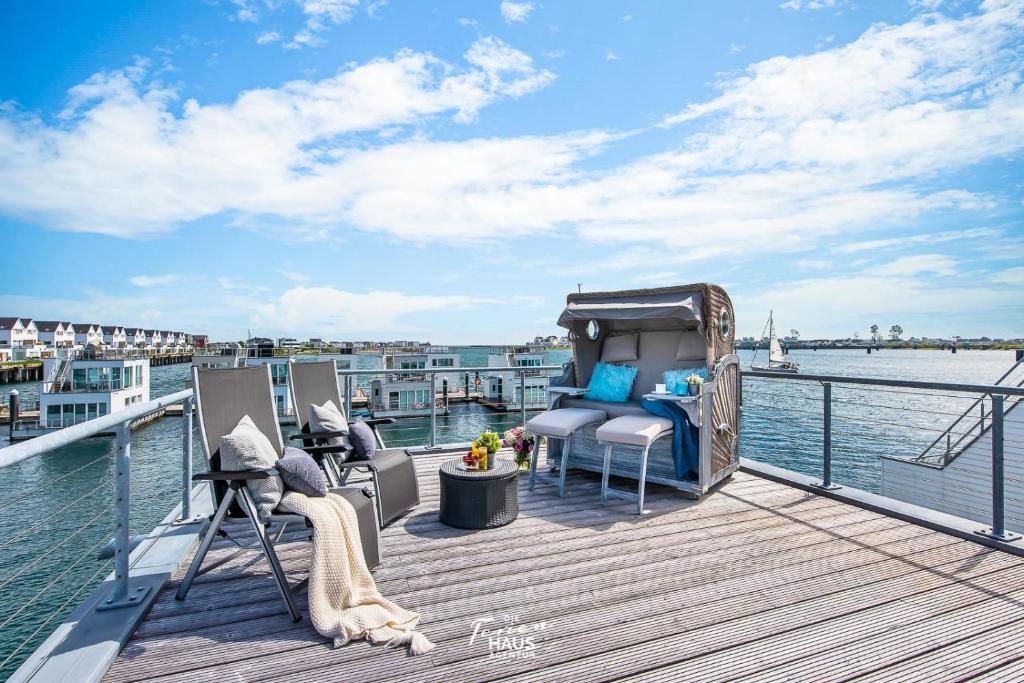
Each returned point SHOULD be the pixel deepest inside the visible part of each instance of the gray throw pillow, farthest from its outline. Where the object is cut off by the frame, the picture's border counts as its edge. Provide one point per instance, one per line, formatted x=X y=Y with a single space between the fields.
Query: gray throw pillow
x=621 y=348
x=247 y=448
x=327 y=418
x=301 y=473
x=363 y=440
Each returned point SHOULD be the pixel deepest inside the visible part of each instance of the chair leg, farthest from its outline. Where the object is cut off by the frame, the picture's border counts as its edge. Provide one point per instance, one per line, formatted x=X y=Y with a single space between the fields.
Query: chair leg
x=604 y=473
x=268 y=550
x=533 y=459
x=566 y=445
x=377 y=499
x=643 y=481
x=331 y=471
x=280 y=532
x=204 y=547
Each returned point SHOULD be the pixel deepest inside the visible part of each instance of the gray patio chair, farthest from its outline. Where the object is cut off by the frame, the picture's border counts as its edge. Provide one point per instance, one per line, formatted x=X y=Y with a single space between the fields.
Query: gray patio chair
x=223 y=397
x=391 y=469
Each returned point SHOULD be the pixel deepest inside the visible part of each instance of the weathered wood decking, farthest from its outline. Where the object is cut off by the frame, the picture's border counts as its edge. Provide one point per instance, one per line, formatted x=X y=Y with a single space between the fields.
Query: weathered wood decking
x=760 y=581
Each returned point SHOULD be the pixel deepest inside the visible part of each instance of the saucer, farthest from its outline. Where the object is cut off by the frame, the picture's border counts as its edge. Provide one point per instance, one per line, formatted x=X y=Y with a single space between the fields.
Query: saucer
x=661 y=393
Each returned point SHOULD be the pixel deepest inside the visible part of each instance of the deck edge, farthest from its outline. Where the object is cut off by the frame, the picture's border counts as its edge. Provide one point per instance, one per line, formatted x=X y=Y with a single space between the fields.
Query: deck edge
x=960 y=527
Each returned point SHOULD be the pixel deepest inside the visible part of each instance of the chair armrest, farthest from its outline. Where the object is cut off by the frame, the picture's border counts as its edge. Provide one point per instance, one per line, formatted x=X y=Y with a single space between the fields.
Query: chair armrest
x=356 y=464
x=573 y=391
x=317 y=435
x=241 y=475
x=326 y=450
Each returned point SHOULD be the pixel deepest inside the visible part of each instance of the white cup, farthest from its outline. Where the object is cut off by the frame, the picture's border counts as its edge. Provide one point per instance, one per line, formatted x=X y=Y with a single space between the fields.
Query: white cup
x=659 y=388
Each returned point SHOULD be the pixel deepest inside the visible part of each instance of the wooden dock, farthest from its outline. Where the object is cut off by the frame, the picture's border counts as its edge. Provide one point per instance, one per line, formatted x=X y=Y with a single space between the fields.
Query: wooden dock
x=759 y=582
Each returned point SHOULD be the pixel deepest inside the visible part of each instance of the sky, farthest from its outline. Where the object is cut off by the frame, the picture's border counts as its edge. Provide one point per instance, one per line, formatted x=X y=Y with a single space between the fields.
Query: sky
x=449 y=171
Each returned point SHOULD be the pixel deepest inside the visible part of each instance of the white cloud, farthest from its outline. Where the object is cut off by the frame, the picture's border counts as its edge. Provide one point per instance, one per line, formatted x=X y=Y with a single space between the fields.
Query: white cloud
x=516 y=12
x=659 y=279
x=268 y=37
x=905 y=266
x=627 y=17
x=810 y=4
x=152 y=280
x=466 y=21
x=255 y=156
x=294 y=276
x=927 y=238
x=244 y=11
x=736 y=48
x=327 y=310
x=1010 y=276
x=374 y=8
x=610 y=56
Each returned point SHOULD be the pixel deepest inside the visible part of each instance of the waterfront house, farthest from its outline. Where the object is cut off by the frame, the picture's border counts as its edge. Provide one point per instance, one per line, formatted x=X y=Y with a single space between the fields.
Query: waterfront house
x=504 y=390
x=82 y=389
x=136 y=337
x=114 y=337
x=55 y=334
x=199 y=341
x=17 y=333
x=154 y=340
x=410 y=393
x=88 y=334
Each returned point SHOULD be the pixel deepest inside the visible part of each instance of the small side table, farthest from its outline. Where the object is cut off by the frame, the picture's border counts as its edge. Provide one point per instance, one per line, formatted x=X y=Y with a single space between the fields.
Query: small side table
x=479 y=499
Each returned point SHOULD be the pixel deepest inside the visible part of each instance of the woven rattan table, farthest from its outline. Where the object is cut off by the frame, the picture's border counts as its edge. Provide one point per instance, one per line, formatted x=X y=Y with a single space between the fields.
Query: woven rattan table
x=479 y=499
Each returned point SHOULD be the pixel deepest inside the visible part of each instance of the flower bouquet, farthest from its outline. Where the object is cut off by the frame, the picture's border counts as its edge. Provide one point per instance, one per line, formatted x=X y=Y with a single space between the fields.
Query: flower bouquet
x=520 y=441
x=483 y=448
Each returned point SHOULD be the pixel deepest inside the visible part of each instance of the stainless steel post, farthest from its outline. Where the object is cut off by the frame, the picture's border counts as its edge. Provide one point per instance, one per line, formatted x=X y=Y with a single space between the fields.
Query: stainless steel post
x=12 y=415
x=122 y=595
x=522 y=395
x=433 y=412
x=186 y=459
x=826 y=474
x=998 y=530
x=348 y=396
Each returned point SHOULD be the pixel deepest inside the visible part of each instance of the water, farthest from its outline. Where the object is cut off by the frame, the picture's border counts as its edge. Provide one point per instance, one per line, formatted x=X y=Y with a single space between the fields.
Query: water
x=63 y=497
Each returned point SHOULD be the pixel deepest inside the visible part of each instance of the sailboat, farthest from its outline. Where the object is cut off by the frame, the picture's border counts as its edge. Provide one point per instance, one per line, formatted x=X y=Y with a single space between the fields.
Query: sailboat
x=776 y=358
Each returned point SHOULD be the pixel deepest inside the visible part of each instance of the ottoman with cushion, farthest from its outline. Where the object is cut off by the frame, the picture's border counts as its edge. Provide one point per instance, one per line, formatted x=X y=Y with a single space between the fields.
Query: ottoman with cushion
x=560 y=424
x=630 y=430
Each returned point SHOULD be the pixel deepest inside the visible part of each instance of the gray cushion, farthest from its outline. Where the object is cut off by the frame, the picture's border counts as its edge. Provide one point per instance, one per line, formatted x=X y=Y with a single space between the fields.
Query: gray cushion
x=327 y=418
x=363 y=440
x=564 y=421
x=692 y=346
x=301 y=474
x=612 y=410
x=247 y=448
x=620 y=348
x=633 y=430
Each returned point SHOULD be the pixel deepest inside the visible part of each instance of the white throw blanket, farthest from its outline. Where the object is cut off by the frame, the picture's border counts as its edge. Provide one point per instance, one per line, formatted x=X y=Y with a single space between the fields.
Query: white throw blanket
x=344 y=603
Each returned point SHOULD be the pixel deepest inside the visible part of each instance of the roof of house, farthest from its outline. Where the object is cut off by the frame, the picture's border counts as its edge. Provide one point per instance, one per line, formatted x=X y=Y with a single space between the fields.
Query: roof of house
x=50 y=325
x=8 y=323
x=84 y=327
x=110 y=329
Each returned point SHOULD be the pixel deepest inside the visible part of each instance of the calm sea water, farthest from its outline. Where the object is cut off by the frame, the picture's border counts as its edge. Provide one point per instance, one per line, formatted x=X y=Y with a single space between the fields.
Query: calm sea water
x=55 y=510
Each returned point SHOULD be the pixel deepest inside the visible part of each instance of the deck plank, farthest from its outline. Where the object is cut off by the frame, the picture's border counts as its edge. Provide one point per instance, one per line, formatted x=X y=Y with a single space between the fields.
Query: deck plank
x=759 y=579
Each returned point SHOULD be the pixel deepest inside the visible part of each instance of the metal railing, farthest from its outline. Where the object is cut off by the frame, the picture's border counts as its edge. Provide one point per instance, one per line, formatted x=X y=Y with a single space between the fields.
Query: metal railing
x=122 y=593
x=952 y=447
x=998 y=394
x=351 y=378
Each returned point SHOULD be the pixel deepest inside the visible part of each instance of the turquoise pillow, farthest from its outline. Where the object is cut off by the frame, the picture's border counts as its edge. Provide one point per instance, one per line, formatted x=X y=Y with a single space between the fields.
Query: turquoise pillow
x=674 y=377
x=611 y=383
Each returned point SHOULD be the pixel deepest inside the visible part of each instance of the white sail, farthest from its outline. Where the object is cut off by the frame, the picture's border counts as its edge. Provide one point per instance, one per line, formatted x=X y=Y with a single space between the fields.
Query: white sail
x=775 y=354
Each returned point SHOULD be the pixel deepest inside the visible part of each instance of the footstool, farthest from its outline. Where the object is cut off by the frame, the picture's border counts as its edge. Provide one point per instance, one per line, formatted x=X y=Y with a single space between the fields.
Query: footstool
x=559 y=424
x=630 y=430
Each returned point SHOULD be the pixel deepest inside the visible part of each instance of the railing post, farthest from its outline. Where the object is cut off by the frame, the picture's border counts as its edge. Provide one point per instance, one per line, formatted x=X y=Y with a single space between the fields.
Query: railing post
x=998 y=530
x=433 y=413
x=826 y=474
x=186 y=460
x=522 y=395
x=122 y=595
x=12 y=415
x=348 y=396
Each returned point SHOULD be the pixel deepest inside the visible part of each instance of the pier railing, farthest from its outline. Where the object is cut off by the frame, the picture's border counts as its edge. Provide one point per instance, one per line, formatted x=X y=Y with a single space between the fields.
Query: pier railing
x=863 y=398
x=115 y=502
x=472 y=383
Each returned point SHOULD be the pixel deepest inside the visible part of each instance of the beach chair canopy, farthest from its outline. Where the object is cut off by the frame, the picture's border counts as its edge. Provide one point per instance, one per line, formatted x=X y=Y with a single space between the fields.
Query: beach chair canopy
x=667 y=308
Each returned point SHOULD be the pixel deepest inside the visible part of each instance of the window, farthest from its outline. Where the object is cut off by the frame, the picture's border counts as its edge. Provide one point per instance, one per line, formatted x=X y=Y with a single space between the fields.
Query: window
x=53 y=416
x=92 y=411
x=392 y=400
x=412 y=365
x=444 y=362
x=78 y=378
x=103 y=406
x=128 y=376
x=593 y=330
x=116 y=378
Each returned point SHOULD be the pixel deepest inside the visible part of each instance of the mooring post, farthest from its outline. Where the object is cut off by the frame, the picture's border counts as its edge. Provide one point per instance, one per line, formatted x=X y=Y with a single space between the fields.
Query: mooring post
x=12 y=414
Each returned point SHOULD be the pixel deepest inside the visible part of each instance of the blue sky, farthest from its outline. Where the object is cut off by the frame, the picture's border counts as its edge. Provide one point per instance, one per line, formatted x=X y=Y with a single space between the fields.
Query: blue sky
x=449 y=171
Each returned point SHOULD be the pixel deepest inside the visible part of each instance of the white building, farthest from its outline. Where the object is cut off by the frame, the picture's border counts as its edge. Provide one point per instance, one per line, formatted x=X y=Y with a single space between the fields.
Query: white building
x=88 y=333
x=55 y=334
x=411 y=393
x=78 y=390
x=154 y=340
x=505 y=389
x=136 y=337
x=114 y=337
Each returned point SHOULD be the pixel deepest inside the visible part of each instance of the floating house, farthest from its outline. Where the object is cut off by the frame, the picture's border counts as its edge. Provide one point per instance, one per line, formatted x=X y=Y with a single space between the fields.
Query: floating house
x=406 y=394
x=504 y=390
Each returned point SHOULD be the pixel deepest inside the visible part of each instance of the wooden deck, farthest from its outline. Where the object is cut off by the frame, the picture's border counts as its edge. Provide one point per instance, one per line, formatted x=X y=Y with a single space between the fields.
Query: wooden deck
x=760 y=582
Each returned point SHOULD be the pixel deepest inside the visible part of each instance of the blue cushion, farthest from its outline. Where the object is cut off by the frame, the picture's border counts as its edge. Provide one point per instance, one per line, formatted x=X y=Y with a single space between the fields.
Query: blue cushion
x=674 y=377
x=611 y=383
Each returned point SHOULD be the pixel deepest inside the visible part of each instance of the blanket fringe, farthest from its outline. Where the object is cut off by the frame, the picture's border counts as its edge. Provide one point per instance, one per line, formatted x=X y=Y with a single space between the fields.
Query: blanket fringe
x=392 y=637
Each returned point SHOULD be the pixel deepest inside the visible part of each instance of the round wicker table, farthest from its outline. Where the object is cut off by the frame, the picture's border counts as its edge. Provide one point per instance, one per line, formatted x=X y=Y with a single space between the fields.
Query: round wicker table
x=479 y=499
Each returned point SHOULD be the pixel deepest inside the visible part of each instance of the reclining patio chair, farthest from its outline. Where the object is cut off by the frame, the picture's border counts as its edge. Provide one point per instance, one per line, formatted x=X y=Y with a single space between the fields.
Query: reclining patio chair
x=223 y=398
x=391 y=469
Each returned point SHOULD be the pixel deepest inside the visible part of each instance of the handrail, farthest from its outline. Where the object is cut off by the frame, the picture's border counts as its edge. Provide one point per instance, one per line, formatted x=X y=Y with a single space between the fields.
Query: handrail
x=880 y=381
x=13 y=454
x=946 y=458
x=447 y=371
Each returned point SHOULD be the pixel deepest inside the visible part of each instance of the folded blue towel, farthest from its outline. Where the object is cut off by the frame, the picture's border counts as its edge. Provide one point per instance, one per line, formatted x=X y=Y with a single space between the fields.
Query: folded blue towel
x=685 y=445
